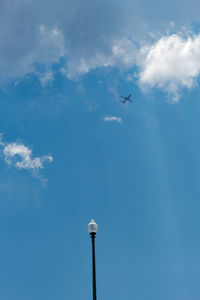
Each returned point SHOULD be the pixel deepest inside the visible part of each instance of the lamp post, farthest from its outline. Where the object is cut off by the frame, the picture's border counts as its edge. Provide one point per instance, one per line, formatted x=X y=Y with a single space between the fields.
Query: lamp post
x=92 y=228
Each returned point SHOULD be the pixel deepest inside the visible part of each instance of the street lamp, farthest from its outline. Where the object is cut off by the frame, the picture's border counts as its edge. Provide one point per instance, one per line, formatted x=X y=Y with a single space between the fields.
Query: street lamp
x=92 y=228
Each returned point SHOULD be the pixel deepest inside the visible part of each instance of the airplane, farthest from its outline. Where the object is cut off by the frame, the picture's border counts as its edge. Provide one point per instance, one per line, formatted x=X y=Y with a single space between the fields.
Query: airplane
x=126 y=99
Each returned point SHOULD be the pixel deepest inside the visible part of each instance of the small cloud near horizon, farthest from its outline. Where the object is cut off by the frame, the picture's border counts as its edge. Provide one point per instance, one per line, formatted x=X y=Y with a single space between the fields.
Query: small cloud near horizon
x=112 y=119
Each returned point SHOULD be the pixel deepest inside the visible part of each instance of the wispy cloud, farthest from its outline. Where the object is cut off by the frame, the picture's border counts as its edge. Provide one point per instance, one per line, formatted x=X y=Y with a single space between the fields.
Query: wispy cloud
x=20 y=157
x=47 y=49
x=112 y=119
x=45 y=77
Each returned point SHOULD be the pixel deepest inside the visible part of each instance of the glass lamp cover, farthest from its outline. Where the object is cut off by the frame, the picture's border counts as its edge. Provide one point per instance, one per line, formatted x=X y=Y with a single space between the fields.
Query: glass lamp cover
x=92 y=226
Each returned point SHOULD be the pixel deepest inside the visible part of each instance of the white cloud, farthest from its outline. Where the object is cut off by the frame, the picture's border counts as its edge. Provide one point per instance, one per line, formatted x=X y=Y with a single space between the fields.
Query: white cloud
x=113 y=119
x=20 y=156
x=172 y=63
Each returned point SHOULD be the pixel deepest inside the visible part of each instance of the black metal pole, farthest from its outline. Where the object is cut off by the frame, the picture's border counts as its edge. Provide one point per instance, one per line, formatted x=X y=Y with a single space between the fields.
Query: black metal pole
x=93 y=266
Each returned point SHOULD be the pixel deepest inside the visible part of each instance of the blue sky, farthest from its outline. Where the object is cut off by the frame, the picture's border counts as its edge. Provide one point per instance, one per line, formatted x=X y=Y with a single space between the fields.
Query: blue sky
x=70 y=151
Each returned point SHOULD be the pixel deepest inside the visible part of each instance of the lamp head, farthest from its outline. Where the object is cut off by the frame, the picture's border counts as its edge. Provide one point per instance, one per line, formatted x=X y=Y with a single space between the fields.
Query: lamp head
x=92 y=227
